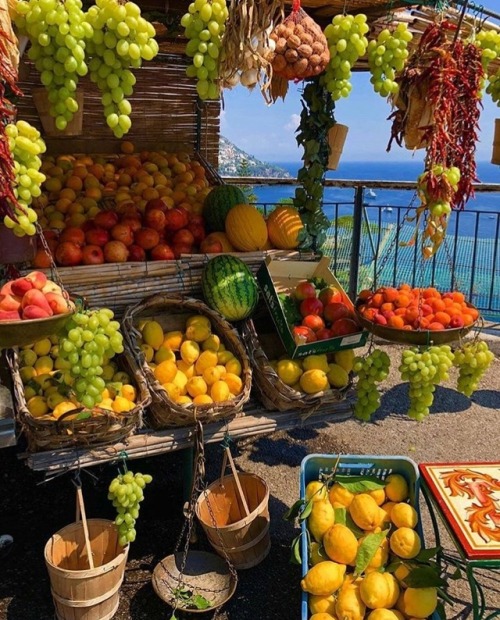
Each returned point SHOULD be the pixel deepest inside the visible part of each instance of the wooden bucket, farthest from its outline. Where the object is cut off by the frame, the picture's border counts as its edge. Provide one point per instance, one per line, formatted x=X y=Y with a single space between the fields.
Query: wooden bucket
x=42 y=104
x=336 y=140
x=86 y=566
x=234 y=512
x=15 y=249
x=495 y=156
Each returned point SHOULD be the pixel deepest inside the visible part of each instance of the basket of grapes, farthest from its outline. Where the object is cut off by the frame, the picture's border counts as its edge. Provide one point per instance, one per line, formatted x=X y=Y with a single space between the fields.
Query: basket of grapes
x=58 y=406
x=284 y=384
x=417 y=316
x=195 y=364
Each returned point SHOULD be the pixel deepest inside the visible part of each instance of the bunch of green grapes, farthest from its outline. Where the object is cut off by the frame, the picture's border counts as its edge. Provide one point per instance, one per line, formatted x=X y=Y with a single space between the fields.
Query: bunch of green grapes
x=347 y=43
x=371 y=370
x=489 y=42
x=387 y=56
x=57 y=32
x=473 y=359
x=424 y=370
x=126 y=492
x=91 y=338
x=121 y=40
x=204 y=26
x=25 y=144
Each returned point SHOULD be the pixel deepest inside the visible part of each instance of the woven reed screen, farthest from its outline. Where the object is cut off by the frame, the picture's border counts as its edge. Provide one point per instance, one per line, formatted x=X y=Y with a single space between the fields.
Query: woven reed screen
x=166 y=113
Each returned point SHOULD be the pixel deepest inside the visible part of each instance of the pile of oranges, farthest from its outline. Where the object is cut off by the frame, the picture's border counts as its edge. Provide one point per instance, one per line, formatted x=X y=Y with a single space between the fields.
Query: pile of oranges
x=416 y=308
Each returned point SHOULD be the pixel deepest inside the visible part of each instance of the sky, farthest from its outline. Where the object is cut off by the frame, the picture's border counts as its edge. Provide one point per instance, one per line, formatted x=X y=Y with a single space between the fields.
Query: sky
x=268 y=132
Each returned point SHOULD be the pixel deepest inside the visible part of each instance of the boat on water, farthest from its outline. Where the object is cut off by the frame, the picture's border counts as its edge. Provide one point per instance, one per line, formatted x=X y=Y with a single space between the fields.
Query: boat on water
x=370 y=194
x=387 y=209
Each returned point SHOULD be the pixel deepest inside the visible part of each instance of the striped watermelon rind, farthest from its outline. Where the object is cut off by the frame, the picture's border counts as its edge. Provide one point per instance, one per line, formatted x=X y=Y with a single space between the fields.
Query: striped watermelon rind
x=217 y=205
x=229 y=287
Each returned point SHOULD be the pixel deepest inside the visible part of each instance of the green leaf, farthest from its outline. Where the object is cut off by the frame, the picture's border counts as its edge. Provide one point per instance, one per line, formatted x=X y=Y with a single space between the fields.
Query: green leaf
x=290 y=310
x=393 y=566
x=307 y=510
x=442 y=595
x=357 y=531
x=295 y=557
x=367 y=550
x=424 y=577
x=200 y=602
x=340 y=515
x=456 y=575
x=293 y=512
x=427 y=554
x=84 y=415
x=360 y=484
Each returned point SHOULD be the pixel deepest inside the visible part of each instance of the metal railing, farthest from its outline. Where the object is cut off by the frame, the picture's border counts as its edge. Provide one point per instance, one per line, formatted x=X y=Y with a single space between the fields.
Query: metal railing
x=373 y=243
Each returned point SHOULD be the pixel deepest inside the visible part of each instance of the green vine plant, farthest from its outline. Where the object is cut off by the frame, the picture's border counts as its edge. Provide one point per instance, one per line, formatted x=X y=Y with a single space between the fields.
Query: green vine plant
x=316 y=119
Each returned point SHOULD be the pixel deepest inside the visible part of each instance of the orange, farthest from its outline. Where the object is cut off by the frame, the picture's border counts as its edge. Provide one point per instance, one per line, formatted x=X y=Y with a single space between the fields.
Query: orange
x=443 y=318
x=387 y=307
x=431 y=292
x=396 y=321
x=435 y=326
x=458 y=297
x=402 y=301
x=377 y=300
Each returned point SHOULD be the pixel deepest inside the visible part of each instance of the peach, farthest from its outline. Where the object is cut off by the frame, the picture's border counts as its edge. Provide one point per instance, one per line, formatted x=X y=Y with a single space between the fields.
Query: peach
x=10 y=302
x=37 y=279
x=51 y=287
x=35 y=312
x=57 y=303
x=21 y=286
x=34 y=297
x=6 y=289
x=9 y=315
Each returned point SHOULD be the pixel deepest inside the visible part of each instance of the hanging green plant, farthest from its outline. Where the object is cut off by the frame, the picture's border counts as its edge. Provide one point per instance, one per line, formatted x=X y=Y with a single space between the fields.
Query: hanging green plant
x=316 y=119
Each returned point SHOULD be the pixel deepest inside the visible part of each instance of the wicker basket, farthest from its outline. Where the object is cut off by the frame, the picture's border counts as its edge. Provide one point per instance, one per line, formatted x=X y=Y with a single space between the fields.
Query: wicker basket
x=269 y=389
x=104 y=427
x=171 y=313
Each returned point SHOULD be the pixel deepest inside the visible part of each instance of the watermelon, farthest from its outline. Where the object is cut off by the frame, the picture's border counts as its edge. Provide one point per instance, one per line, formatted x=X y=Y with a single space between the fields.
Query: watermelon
x=218 y=203
x=229 y=287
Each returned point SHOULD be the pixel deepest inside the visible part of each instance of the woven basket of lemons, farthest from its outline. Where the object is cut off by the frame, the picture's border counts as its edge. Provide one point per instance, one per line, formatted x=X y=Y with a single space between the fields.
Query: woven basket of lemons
x=51 y=417
x=194 y=362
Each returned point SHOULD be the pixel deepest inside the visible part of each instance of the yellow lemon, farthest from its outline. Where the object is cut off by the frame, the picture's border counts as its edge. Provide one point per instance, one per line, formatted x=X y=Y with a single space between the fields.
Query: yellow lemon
x=106 y=403
x=198 y=332
x=349 y=603
x=323 y=616
x=185 y=368
x=148 y=352
x=44 y=381
x=320 y=519
x=317 y=554
x=387 y=509
x=314 y=380
x=108 y=371
x=129 y=392
x=211 y=375
x=364 y=511
x=212 y=342
x=396 y=488
x=401 y=573
x=337 y=376
x=42 y=347
x=37 y=406
x=224 y=356
x=164 y=354
x=109 y=392
x=420 y=602
x=315 y=362
x=173 y=340
x=196 y=386
x=29 y=392
x=322 y=604
x=234 y=382
x=173 y=390
x=289 y=371
x=340 y=495
x=152 y=334
x=340 y=544
x=219 y=391
x=202 y=399
x=62 y=408
x=54 y=399
x=323 y=579
x=190 y=351
x=121 y=377
x=184 y=400
x=316 y=490
x=44 y=365
x=404 y=515
x=345 y=359
x=198 y=319
x=27 y=357
x=385 y=614
x=380 y=556
x=234 y=366
x=122 y=404
x=207 y=359
x=181 y=380
x=405 y=543
x=27 y=373
x=379 y=590
x=378 y=495
x=165 y=372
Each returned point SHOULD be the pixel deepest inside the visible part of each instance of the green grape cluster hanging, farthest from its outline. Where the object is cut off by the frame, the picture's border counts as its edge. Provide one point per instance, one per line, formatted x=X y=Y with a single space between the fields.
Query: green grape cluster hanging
x=489 y=42
x=370 y=370
x=387 y=56
x=126 y=493
x=473 y=359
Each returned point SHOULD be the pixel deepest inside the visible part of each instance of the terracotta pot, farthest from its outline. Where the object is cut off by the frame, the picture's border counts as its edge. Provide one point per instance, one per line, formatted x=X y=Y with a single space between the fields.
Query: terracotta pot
x=15 y=249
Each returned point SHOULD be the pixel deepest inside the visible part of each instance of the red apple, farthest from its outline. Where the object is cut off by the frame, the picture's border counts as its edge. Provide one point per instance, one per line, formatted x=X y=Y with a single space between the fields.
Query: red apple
x=313 y=321
x=181 y=248
x=155 y=203
x=311 y=305
x=155 y=219
x=92 y=255
x=136 y=253
x=342 y=327
x=176 y=218
x=329 y=294
x=334 y=311
x=162 y=252
x=198 y=232
x=97 y=236
x=68 y=254
x=183 y=236
x=133 y=222
x=211 y=246
x=123 y=233
x=115 y=252
x=303 y=334
x=73 y=234
x=304 y=289
x=146 y=238
x=323 y=334
x=106 y=219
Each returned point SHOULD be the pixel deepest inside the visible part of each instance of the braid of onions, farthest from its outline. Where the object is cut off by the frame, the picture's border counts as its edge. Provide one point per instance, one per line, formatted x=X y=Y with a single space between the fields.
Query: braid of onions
x=472 y=360
x=424 y=369
x=371 y=370
x=387 y=56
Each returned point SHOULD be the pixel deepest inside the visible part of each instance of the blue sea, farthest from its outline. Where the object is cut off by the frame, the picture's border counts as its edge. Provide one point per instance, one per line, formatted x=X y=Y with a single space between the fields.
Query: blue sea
x=469 y=224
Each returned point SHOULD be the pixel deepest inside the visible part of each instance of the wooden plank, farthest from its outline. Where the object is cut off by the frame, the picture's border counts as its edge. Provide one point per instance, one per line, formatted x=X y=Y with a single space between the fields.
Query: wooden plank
x=152 y=443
